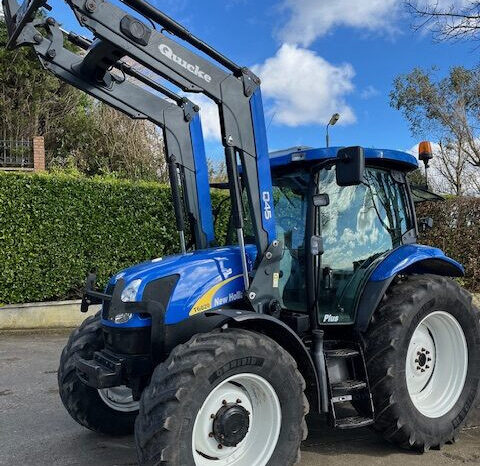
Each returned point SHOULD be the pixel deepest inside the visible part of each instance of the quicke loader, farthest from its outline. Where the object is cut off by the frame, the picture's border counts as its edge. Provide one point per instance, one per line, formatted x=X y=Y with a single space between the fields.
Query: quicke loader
x=321 y=301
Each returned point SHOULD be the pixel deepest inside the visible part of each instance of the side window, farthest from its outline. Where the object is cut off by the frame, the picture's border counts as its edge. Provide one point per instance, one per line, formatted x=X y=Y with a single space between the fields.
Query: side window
x=364 y=220
x=290 y=194
x=361 y=223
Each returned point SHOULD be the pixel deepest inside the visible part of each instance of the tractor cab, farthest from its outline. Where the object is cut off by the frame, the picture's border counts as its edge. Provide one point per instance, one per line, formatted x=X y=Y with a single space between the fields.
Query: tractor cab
x=354 y=229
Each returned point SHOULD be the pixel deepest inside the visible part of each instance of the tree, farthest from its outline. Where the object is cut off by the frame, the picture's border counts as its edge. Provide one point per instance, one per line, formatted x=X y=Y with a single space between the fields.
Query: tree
x=111 y=142
x=453 y=21
x=79 y=131
x=448 y=111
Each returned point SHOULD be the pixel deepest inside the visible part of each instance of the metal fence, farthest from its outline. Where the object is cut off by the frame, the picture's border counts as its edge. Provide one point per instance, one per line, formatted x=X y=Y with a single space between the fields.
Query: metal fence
x=16 y=154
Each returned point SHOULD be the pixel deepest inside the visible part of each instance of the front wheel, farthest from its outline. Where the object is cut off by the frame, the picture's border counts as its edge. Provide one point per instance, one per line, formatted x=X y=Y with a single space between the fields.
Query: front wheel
x=422 y=350
x=109 y=411
x=230 y=397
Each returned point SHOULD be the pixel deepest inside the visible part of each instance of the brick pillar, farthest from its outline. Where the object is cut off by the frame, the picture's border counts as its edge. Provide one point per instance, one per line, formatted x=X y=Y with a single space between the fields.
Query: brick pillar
x=38 y=154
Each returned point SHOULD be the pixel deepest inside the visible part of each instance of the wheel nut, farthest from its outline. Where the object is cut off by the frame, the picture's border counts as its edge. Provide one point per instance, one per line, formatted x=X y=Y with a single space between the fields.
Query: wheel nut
x=427 y=367
x=220 y=446
x=211 y=434
x=224 y=402
x=212 y=416
x=239 y=401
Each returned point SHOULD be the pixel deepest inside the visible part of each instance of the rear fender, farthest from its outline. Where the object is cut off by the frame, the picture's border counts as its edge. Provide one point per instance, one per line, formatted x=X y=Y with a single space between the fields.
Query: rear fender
x=405 y=260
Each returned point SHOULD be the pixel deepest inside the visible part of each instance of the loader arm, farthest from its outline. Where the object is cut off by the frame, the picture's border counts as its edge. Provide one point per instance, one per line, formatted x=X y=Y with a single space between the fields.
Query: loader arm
x=237 y=92
x=179 y=120
x=235 y=89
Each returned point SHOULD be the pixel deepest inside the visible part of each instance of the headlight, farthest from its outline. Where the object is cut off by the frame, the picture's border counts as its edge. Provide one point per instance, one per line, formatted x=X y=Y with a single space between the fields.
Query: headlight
x=129 y=293
x=122 y=318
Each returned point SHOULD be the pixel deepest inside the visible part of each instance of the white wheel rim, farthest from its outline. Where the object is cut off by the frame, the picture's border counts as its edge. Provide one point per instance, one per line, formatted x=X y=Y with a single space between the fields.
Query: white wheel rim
x=437 y=364
x=119 y=398
x=258 y=397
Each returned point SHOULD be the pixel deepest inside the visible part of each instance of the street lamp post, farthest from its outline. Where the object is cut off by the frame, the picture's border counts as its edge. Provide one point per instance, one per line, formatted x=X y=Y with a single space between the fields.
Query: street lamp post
x=332 y=122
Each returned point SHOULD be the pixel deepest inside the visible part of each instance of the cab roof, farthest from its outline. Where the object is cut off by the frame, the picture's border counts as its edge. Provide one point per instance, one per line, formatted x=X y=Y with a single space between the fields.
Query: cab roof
x=387 y=157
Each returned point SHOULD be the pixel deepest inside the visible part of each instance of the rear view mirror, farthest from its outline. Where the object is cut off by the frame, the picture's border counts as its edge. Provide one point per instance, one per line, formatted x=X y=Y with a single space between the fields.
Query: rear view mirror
x=425 y=224
x=350 y=166
x=321 y=200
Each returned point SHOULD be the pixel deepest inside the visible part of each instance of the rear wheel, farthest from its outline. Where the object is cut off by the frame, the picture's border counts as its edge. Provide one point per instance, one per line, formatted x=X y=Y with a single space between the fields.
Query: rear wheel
x=110 y=411
x=423 y=361
x=229 y=397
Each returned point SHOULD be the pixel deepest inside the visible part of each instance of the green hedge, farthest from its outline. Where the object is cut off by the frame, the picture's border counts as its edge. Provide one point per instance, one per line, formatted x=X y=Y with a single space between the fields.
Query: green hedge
x=55 y=228
x=456 y=230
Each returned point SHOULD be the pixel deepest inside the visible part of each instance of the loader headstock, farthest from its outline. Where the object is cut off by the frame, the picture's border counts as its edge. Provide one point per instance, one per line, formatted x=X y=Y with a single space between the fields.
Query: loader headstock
x=18 y=17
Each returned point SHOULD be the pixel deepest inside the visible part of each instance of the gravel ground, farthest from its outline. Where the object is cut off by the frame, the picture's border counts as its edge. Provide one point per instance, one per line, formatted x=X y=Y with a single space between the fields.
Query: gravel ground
x=35 y=430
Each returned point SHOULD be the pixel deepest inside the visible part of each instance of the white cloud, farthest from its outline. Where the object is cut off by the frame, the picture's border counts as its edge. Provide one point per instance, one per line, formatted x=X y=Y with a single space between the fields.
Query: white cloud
x=209 y=116
x=305 y=88
x=369 y=92
x=311 y=19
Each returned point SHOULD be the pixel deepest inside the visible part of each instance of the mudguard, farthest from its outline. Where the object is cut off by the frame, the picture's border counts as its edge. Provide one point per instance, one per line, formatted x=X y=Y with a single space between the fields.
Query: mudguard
x=407 y=259
x=260 y=323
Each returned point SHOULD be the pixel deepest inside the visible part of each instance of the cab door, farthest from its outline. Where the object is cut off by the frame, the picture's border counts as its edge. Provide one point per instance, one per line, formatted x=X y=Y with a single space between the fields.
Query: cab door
x=360 y=225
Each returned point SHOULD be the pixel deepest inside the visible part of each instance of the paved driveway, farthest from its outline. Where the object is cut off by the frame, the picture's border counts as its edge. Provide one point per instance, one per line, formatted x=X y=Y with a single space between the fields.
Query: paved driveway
x=35 y=430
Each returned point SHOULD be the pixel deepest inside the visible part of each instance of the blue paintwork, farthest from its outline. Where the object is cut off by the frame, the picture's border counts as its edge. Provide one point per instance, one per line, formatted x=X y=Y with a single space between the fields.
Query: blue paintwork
x=409 y=257
x=405 y=161
x=201 y=174
x=263 y=165
x=198 y=272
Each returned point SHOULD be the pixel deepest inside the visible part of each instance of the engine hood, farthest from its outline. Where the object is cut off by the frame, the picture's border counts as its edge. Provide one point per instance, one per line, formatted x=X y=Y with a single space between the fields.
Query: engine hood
x=206 y=279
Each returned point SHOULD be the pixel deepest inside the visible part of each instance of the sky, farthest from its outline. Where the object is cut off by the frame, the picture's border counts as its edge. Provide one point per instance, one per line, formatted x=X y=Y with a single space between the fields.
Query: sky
x=315 y=58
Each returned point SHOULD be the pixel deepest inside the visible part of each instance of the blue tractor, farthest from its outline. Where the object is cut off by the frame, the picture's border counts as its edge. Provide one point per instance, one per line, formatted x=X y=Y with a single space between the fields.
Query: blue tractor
x=322 y=301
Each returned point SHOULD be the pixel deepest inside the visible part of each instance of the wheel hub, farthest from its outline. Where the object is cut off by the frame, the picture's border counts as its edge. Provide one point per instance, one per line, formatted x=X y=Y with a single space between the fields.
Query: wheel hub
x=436 y=364
x=238 y=423
x=119 y=399
x=231 y=424
x=421 y=359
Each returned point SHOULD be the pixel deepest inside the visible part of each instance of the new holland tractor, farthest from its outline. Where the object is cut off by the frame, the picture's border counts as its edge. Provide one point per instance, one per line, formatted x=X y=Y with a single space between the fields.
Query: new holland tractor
x=322 y=301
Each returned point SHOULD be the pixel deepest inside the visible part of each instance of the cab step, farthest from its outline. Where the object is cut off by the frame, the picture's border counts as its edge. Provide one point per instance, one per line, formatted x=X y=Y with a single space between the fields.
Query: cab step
x=348 y=387
x=341 y=353
x=351 y=404
x=353 y=422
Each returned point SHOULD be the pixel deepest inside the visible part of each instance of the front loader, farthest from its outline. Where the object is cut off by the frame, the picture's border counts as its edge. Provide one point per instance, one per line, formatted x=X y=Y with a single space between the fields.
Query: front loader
x=325 y=304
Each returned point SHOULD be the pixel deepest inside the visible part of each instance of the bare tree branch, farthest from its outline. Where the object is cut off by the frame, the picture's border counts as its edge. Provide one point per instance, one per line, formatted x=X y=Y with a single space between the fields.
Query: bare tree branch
x=447 y=23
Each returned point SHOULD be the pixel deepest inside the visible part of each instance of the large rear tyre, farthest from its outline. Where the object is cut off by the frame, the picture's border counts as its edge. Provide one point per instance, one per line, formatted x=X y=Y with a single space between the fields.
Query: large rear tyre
x=422 y=351
x=108 y=411
x=230 y=397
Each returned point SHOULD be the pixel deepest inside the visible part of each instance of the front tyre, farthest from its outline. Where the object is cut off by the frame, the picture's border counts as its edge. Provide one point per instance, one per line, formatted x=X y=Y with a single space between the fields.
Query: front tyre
x=109 y=411
x=230 y=397
x=423 y=361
